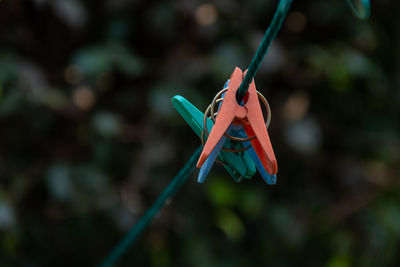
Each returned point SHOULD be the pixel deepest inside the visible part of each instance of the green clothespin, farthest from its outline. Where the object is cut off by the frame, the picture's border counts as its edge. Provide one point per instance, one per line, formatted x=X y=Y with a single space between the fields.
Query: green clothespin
x=238 y=166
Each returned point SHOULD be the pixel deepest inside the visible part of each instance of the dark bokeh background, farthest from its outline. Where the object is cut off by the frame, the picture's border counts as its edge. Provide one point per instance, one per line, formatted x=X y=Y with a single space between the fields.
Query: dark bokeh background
x=89 y=138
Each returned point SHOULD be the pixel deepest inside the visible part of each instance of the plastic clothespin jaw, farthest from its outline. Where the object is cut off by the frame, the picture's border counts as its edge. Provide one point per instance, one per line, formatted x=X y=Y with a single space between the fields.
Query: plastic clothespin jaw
x=249 y=116
x=206 y=167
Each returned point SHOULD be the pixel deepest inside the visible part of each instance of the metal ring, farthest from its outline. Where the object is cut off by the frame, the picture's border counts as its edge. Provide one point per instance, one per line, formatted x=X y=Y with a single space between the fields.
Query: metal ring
x=217 y=99
x=214 y=101
x=210 y=110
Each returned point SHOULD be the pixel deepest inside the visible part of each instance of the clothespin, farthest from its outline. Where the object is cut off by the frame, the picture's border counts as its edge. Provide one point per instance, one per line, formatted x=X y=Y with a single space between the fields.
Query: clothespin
x=206 y=167
x=249 y=116
x=238 y=166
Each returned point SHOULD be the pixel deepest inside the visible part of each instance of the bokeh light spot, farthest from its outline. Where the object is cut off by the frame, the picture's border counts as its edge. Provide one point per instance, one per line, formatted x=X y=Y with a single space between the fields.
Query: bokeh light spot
x=84 y=98
x=296 y=106
x=72 y=74
x=296 y=22
x=230 y=224
x=206 y=14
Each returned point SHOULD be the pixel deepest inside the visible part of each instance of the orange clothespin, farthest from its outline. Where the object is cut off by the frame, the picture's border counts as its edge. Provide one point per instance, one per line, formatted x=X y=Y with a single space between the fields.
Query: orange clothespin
x=249 y=115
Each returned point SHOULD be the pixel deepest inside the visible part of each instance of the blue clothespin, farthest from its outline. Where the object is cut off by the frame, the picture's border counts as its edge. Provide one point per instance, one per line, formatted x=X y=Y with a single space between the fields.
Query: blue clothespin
x=238 y=131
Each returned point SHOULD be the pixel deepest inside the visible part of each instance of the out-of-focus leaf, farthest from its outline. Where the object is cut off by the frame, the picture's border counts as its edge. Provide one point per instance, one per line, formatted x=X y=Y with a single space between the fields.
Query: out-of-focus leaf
x=339 y=261
x=389 y=215
x=9 y=68
x=7 y=216
x=11 y=103
x=231 y=224
x=305 y=135
x=227 y=56
x=72 y=12
x=252 y=203
x=221 y=192
x=60 y=183
x=107 y=124
x=105 y=57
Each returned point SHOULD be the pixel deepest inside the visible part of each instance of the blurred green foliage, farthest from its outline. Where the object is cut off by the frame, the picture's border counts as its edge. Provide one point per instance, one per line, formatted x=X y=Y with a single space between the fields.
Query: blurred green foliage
x=88 y=136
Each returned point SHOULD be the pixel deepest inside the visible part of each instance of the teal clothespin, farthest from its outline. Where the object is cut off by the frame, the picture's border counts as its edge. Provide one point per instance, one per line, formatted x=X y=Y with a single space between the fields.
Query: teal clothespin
x=238 y=166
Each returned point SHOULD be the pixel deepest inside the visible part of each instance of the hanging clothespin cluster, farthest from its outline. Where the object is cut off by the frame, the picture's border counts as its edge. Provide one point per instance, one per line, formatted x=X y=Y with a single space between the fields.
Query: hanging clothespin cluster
x=234 y=133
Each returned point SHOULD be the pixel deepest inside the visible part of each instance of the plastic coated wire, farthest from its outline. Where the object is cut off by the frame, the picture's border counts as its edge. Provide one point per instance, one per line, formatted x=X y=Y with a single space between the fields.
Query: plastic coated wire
x=262 y=50
x=181 y=177
x=138 y=228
